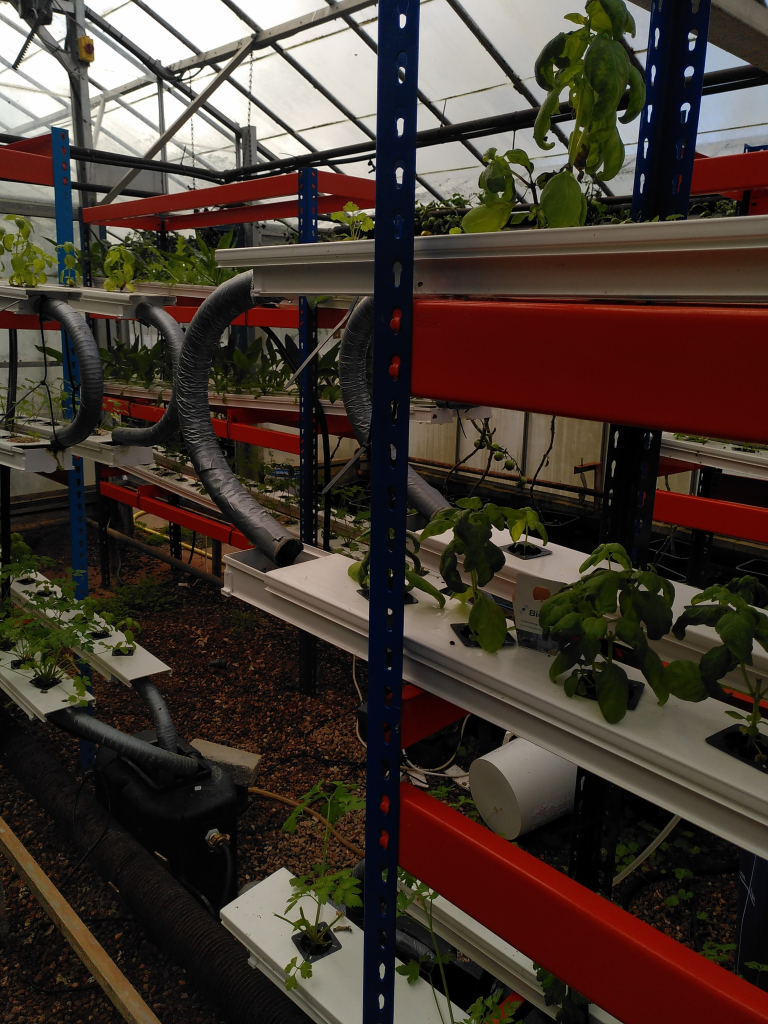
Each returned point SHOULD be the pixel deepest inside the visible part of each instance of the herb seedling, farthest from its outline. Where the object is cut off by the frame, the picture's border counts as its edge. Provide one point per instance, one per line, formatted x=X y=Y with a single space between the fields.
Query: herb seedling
x=583 y=619
x=592 y=64
x=321 y=885
x=571 y=1005
x=730 y=610
x=28 y=261
x=119 y=268
x=355 y=220
x=360 y=571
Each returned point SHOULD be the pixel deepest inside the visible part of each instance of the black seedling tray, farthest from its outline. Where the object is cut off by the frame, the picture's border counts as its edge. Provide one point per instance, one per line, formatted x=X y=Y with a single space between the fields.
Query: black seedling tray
x=527 y=551
x=312 y=953
x=636 y=687
x=733 y=742
x=461 y=629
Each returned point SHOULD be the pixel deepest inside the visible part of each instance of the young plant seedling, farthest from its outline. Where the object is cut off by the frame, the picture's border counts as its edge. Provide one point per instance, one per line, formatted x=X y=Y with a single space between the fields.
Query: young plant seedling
x=355 y=220
x=360 y=571
x=608 y=605
x=483 y=1011
x=527 y=519
x=730 y=611
x=119 y=268
x=472 y=523
x=592 y=64
x=126 y=647
x=322 y=884
x=28 y=261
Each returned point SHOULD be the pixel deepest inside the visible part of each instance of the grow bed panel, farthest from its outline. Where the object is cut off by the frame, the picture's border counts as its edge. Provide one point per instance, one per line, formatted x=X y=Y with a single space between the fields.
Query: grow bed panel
x=707 y=260
x=35 y=703
x=99 y=448
x=334 y=993
x=125 y=669
x=660 y=753
x=117 y=304
x=718 y=454
x=31 y=456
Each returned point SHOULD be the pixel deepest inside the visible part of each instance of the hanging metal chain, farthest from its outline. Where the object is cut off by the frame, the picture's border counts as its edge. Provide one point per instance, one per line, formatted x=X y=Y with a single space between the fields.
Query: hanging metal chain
x=250 y=90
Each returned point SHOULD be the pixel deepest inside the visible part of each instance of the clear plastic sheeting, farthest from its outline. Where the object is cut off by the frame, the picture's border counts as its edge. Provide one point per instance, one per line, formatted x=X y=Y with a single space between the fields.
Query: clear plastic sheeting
x=315 y=89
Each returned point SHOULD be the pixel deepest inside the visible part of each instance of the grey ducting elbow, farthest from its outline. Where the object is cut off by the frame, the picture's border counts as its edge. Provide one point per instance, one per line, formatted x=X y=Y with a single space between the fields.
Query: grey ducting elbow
x=165 y=730
x=165 y=428
x=88 y=414
x=229 y=301
x=77 y=722
x=353 y=356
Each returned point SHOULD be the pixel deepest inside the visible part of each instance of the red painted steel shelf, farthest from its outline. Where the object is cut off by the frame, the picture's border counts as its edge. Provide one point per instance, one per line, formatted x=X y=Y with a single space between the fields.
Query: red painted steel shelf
x=749 y=522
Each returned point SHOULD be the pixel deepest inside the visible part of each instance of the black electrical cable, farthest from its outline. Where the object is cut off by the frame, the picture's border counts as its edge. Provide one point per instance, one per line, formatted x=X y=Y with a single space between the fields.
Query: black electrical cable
x=96 y=841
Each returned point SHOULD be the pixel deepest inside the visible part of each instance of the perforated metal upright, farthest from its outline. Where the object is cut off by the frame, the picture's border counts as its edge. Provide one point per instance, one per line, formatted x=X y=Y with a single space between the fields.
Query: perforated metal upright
x=398 y=38
x=677 y=45
x=307 y=418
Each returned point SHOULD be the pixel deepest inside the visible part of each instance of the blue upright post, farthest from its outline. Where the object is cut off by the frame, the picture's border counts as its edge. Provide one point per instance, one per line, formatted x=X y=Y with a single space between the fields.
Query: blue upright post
x=398 y=39
x=62 y=190
x=307 y=419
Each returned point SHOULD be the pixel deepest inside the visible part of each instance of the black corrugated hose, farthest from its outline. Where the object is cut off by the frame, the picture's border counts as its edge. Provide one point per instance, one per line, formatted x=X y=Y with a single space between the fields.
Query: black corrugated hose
x=88 y=414
x=353 y=356
x=238 y=506
x=215 y=960
x=162 y=431
x=165 y=730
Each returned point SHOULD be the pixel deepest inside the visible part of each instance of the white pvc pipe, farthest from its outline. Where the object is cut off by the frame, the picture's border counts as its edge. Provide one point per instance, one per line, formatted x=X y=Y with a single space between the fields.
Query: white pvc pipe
x=520 y=786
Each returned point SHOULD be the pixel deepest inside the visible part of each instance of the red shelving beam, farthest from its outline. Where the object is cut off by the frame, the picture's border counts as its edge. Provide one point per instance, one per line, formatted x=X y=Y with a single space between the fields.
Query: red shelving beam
x=150 y=214
x=28 y=160
x=625 y=966
x=748 y=522
x=593 y=368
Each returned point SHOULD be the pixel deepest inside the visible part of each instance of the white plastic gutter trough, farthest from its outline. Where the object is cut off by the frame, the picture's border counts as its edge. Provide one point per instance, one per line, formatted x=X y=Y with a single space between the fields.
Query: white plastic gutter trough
x=709 y=260
x=660 y=753
x=32 y=456
x=97 y=448
x=34 y=702
x=732 y=458
x=121 y=305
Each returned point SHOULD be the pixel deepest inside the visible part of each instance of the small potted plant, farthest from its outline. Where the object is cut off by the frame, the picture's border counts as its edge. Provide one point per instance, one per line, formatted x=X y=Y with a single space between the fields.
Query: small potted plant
x=522 y=521
x=731 y=611
x=359 y=571
x=126 y=647
x=315 y=938
x=606 y=618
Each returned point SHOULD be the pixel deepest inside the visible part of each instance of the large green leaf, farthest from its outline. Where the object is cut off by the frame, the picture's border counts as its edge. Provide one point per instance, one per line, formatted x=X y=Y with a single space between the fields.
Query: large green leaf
x=449 y=566
x=487 y=623
x=618 y=15
x=606 y=67
x=636 y=101
x=654 y=611
x=491 y=217
x=631 y=633
x=737 y=631
x=653 y=670
x=613 y=156
x=564 y=661
x=605 y=598
x=555 y=608
x=549 y=107
x=419 y=583
x=699 y=615
x=440 y=524
x=683 y=679
x=561 y=201
x=543 y=68
x=715 y=663
x=612 y=687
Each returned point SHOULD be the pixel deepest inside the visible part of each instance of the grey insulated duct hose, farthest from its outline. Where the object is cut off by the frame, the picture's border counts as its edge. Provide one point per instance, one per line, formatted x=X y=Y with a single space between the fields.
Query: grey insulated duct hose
x=353 y=355
x=165 y=730
x=229 y=301
x=88 y=413
x=165 y=428
x=78 y=722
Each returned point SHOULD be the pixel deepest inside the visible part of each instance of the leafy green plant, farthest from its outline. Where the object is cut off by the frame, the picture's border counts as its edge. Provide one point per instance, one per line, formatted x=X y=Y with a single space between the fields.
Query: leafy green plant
x=356 y=221
x=720 y=952
x=359 y=571
x=730 y=611
x=583 y=619
x=321 y=885
x=483 y=1011
x=71 y=273
x=119 y=269
x=472 y=523
x=592 y=64
x=571 y=1005
x=28 y=261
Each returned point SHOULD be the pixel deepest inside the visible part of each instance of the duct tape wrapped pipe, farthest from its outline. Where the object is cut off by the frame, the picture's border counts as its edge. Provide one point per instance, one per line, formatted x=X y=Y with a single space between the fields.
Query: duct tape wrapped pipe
x=165 y=428
x=520 y=787
x=88 y=414
x=353 y=357
x=229 y=301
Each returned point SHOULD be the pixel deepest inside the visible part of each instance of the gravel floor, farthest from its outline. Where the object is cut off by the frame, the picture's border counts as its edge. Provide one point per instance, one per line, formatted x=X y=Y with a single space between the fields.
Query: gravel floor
x=253 y=703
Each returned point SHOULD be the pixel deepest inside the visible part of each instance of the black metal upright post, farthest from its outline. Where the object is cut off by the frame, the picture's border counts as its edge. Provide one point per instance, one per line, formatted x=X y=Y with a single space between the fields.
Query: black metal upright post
x=307 y=419
x=677 y=44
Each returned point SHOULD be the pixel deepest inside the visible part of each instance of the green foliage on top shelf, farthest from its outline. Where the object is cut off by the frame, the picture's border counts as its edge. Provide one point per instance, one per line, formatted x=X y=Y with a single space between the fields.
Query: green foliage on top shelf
x=583 y=619
x=137 y=258
x=590 y=62
x=28 y=262
x=356 y=221
x=733 y=611
x=414 y=574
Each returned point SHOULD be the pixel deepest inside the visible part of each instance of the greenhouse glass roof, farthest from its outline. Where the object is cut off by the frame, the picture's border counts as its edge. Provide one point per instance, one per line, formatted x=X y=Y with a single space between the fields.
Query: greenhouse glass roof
x=314 y=89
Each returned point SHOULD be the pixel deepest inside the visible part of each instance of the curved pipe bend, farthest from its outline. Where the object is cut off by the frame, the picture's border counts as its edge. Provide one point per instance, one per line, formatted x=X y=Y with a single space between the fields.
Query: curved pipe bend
x=165 y=428
x=229 y=301
x=88 y=414
x=353 y=354
x=77 y=722
x=165 y=730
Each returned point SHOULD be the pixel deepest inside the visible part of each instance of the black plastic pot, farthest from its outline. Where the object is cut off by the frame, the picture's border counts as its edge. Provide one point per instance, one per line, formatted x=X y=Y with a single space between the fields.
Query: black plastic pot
x=527 y=551
x=733 y=742
x=312 y=951
x=27 y=581
x=535 y=642
x=122 y=654
x=100 y=634
x=44 y=684
x=462 y=631
x=6 y=645
x=636 y=687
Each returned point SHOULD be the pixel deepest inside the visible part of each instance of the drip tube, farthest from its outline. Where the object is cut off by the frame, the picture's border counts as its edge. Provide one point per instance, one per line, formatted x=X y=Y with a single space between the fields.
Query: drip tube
x=91 y=373
x=165 y=428
x=353 y=355
x=165 y=730
x=78 y=722
x=238 y=506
